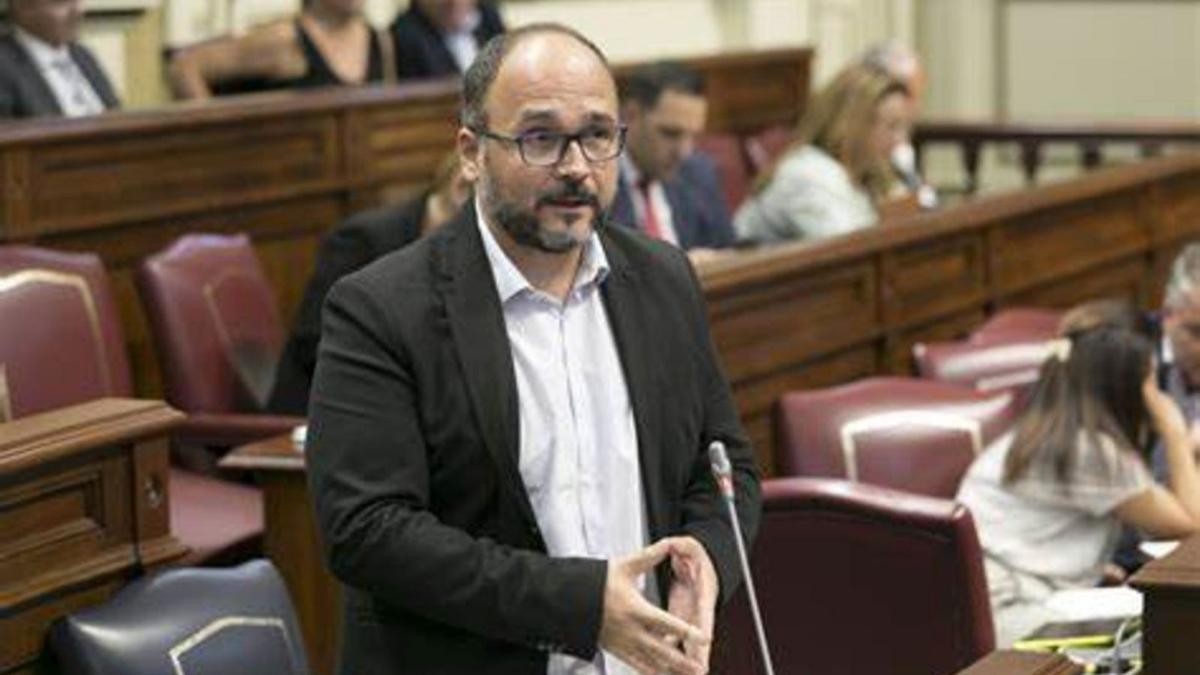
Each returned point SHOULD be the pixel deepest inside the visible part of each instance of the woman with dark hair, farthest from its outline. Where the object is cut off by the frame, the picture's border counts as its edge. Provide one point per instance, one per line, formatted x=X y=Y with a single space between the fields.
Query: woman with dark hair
x=330 y=43
x=1049 y=498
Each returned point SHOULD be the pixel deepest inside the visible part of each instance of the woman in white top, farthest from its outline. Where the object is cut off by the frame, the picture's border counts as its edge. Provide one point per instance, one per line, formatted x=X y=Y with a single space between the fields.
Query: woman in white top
x=1050 y=497
x=829 y=181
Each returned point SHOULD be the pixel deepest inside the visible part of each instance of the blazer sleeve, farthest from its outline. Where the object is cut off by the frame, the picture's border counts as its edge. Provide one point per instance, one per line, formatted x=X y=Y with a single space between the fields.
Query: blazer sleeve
x=714 y=223
x=369 y=476
x=704 y=512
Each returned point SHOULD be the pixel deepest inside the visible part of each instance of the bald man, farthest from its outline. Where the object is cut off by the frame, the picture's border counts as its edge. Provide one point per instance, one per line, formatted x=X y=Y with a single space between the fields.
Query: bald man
x=510 y=418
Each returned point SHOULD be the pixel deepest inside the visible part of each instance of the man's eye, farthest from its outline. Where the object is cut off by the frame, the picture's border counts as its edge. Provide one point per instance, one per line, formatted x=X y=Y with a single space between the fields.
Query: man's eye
x=599 y=134
x=540 y=137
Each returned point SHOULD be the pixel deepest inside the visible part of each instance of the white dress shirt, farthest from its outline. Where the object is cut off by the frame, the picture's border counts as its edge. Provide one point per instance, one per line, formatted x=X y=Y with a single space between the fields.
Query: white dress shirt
x=658 y=200
x=461 y=43
x=578 y=447
x=75 y=95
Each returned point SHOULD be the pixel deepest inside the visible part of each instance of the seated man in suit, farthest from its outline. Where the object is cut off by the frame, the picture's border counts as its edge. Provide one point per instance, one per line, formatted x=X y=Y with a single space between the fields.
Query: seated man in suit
x=353 y=244
x=439 y=38
x=44 y=71
x=667 y=189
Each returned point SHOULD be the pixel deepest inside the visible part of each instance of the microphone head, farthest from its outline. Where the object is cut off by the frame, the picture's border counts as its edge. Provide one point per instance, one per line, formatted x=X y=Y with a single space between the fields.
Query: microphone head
x=719 y=459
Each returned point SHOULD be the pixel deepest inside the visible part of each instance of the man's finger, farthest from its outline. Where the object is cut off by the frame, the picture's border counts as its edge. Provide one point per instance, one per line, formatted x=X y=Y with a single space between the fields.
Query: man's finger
x=665 y=623
x=668 y=658
x=648 y=558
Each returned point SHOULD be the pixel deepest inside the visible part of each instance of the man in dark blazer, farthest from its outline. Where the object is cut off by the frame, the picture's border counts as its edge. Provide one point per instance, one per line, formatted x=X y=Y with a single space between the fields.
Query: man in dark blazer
x=352 y=245
x=438 y=38
x=510 y=417
x=668 y=189
x=44 y=71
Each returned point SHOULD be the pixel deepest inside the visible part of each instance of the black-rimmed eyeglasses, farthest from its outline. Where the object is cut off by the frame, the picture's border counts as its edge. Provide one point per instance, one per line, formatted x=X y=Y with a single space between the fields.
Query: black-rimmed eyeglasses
x=547 y=148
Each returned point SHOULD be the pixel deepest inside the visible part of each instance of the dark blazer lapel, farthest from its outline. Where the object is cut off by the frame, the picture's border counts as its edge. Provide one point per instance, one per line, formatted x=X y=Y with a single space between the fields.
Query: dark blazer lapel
x=476 y=318
x=631 y=322
x=41 y=98
x=683 y=213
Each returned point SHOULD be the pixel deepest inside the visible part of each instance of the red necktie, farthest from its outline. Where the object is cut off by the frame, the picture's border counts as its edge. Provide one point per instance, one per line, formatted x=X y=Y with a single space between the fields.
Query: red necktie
x=649 y=218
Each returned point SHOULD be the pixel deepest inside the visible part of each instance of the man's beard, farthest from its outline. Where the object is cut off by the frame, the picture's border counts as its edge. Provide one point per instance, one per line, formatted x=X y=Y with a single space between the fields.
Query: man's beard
x=526 y=229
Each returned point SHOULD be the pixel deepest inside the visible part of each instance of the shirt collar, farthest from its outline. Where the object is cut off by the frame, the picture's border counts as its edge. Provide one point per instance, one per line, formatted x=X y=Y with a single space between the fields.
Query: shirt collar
x=629 y=169
x=510 y=281
x=469 y=27
x=42 y=52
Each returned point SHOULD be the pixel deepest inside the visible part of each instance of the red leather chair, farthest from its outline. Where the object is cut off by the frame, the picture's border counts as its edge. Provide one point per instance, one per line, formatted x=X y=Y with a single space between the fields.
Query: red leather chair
x=986 y=367
x=904 y=433
x=767 y=145
x=218 y=333
x=1018 y=324
x=732 y=167
x=856 y=579
x=67 y=323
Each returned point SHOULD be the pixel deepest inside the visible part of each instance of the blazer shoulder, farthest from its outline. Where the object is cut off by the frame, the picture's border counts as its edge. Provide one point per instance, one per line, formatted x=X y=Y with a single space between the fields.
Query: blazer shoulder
x=384 y=229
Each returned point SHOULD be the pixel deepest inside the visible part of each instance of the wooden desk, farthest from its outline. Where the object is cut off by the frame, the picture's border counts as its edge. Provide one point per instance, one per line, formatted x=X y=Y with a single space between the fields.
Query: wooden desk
x=290 y=541
x=1022 y=663
x=1171 y=617
x=83 y=509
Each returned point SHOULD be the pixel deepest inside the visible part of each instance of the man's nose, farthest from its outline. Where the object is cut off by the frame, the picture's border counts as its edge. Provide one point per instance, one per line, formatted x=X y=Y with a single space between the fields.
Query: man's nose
x=573 y=163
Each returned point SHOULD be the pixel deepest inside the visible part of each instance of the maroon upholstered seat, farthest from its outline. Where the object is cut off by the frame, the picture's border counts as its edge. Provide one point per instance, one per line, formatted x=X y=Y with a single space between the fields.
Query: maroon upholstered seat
x=905 y=433
x=218 y=334
x=767 y=145
x=732 y=167
x=856 y=579
x=1018 y=324
x=61 y=319
x=985 y=367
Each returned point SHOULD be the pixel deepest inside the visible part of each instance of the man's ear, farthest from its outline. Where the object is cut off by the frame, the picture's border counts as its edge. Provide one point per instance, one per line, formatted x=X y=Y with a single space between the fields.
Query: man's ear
x=469 y=154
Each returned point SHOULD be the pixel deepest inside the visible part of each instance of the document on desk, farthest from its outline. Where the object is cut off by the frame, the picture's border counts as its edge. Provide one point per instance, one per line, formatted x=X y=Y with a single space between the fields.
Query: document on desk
x=1112 y=602
x=1158 y=549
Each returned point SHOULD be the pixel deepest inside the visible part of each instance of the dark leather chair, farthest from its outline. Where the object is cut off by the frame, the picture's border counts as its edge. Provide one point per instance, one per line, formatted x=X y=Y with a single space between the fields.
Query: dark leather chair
x=914 y=435
x=187 y=621
x=68 y=324
x=218 y=334
x=855 y=579
x=732 y=166
x=766 y=146
x=986 y=367
x=1018 y=324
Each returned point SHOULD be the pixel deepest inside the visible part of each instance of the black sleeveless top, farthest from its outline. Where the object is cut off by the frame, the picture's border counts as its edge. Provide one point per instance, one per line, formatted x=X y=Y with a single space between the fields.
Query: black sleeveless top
x=317 y=72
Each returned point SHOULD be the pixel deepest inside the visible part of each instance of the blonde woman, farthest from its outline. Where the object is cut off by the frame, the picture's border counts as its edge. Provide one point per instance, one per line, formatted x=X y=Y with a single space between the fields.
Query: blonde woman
x=831 y=179
x=329 y=43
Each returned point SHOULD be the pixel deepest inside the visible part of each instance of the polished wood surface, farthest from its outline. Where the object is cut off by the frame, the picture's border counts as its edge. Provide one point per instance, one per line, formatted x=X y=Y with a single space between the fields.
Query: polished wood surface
x=1171 y=618
x=814 y=314
x=1089 y=137
x=1022 y=663
x=83 y=509
x=290 y=541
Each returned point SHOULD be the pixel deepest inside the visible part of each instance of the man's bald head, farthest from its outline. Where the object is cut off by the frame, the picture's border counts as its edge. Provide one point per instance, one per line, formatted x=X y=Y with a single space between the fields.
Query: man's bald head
x=478 y=79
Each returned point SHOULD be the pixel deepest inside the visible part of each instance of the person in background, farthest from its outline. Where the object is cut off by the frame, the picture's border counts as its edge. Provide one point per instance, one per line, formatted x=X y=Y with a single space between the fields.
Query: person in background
x=904 y=65
x=510 y=419
x=330 y=43
x=1050 y=497
x=44 y=71
x=439 y=38
x=831 y=179
x=667 y=188
x=353 y=244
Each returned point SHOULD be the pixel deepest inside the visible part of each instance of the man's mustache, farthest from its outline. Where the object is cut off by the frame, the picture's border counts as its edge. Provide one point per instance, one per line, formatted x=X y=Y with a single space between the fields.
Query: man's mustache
x=572 y=192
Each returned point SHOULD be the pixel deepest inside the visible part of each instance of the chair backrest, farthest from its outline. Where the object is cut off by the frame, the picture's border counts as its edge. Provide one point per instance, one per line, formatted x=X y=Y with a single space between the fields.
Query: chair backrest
x=905 y=433
x=764 y=147
x=188 y=621
x=215 y=322
x=855 y=579
x=991 y=367
x=60 y=337
x=1018 y=324
x=732 y=166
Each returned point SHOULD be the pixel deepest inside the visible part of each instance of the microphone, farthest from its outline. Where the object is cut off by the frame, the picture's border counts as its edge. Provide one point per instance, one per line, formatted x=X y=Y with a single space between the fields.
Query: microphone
x=722 y=472
x=904 y=161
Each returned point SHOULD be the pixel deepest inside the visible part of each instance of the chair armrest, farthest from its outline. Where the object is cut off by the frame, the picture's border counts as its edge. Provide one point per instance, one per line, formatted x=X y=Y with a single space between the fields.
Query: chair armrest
x=231 y=429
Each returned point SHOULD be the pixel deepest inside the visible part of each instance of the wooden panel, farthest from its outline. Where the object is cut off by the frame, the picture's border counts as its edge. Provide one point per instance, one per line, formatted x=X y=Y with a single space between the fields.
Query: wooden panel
x=1119 y=279
x=76 y=186
x=1060 y=241
x=1022 y=663
x=931 y=278
x=1180 y=210
x=1171 y=618
x=776 y=326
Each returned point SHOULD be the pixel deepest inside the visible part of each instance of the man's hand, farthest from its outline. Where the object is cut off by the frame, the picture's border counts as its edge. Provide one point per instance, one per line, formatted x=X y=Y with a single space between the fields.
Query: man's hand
x=693 y=595
x=639 y=633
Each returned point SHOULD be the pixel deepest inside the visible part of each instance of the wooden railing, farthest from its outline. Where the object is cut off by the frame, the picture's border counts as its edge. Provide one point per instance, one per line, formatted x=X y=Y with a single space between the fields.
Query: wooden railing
x=1030 y=140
